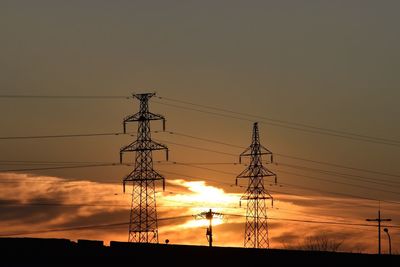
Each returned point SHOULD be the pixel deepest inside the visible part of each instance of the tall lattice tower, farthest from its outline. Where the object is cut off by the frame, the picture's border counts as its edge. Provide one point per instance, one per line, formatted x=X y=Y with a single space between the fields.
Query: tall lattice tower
x=256 y=228
x=143 y=227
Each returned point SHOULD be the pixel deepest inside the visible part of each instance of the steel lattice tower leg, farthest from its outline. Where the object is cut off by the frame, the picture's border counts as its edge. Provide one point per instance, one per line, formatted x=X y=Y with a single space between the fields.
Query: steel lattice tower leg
x=256 y=228
x=143 y=227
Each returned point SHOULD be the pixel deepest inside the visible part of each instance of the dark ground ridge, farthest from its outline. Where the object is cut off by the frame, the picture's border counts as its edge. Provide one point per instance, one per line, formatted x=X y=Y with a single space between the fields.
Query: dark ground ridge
x=63 y=252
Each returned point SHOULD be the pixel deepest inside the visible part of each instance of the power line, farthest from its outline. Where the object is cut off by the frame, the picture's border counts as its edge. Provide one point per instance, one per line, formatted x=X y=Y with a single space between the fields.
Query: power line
x=62 y=229
x=197 y=177
x=220 y=182
x=283 y=126
x=195 y=165
x=2 y=162
x=193 y=147
x=338 y=201
x=206 y=179
x=272 y=121
x=61 y=136
x=318 y=217
x=99 y=205
x=287 y=184
x=63 y=204
x=98 y=165
x=189 y=204
x=85 y=205
x=121 y=205
x=67 y=96
x=208 y=150
x=337 y=133
x=101 y=165
x=85 y=227
x=310 y=189
x=89 y=227
x=342 y=175
x=200 y=138
x=216 y=181
x=315 y=178
x=291 y=185
x=187 y=164
x=47 y=162
x=315 y=221
x=310 y=177
x=342 y=183
x=198 y=148
x=332 y=223
x=62 y=167
x=274 y=124
x=279 y=121
x=286 y=156
x=215 y=151
x=204 y=163
x=360 y=178
x=338 y=165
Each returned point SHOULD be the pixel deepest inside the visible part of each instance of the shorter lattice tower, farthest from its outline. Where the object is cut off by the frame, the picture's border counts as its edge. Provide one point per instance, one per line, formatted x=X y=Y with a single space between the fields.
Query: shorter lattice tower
x=256 y=228
x=143 y=226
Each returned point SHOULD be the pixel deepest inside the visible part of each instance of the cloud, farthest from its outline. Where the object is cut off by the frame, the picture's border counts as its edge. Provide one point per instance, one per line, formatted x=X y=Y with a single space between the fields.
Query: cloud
x=38 y=203
x=12 y=212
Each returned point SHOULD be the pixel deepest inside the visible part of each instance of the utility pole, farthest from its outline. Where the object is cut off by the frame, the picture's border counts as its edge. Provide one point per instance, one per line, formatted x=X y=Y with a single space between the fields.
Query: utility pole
x=143 y=225
x=209 y=215
x=379 y=220
x=256 y=228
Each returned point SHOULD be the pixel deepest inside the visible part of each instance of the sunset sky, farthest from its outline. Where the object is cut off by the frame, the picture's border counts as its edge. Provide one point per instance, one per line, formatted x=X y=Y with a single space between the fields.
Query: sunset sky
x=320 y=77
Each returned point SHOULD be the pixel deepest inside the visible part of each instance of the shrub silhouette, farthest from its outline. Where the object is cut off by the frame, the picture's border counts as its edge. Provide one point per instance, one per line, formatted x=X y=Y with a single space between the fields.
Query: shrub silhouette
x=317 y=243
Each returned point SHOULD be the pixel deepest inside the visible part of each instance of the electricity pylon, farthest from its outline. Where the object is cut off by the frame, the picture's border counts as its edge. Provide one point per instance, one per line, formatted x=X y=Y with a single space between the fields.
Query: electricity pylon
x=143 y=226
x=256 y=228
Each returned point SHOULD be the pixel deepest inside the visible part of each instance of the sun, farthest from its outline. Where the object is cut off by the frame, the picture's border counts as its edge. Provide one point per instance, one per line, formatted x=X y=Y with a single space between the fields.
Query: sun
x=202 y=197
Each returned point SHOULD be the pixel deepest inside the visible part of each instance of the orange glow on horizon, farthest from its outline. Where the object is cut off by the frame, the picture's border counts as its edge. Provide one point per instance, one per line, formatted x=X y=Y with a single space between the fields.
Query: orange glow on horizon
x=201 y=198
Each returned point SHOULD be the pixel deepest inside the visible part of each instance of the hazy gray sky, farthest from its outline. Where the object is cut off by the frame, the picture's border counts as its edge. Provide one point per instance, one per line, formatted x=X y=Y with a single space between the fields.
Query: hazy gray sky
x=331 y=64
